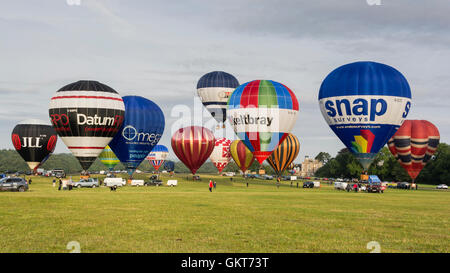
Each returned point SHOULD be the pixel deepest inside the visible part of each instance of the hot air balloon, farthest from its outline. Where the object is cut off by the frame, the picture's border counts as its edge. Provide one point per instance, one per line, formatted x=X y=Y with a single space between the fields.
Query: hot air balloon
x=365 y=103
x=284 y=154
x=193 y=145
x=262 y=114
x=214 y=89
x=157 y=156
x=241 y=155
x=169 y=166
x=414 y=144
x=34 y=140
x=221 y=156
x=142 y=128
x=108 y=158
x=86 y=115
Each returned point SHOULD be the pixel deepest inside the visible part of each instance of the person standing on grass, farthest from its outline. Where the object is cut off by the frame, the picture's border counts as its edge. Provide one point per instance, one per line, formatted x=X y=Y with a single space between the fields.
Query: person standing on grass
x=60 y=185
x=54 y=182
x=214 y=183
x=210 y=185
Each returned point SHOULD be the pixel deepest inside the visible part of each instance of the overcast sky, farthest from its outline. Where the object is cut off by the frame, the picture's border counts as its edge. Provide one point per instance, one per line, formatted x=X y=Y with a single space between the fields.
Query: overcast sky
x=159 y=50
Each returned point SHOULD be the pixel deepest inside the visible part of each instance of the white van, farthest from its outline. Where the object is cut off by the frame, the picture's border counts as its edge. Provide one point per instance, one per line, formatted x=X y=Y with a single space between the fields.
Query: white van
x=172 y=182
x=340 y=185
x=114 y=181
x=316 y=184
x=137 y=183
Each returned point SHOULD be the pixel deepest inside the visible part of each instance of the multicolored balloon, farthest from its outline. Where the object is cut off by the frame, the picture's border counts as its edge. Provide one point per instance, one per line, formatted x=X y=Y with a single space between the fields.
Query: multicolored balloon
x=262 y=114
x=241 y=155
x=193 y=145
x=285 y=154
x=214 y=89
x=86 y=115
x=365 y=103
x=157 y=156
x=142 y=128
x=108 y=158
x=35 y=141
x=221 y=155
x=414 y=144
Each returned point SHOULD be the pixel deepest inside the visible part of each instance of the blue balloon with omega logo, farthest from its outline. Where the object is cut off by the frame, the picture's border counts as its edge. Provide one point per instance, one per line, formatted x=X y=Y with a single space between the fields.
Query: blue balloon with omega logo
x=141 y=130
x=365 y=103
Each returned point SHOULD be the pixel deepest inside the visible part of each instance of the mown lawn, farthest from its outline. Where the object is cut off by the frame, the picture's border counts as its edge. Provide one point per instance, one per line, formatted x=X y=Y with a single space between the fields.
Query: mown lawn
x=233 y=218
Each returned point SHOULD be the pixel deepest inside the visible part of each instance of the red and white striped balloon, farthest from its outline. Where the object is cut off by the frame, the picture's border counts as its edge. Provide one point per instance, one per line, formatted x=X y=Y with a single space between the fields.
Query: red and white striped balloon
x=414 y=144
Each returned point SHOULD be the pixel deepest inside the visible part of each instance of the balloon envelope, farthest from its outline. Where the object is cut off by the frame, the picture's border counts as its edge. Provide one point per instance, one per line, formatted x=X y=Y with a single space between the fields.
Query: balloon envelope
x=169 y=166
x=262 y=114
x=284 y=154
x=241 y=155
x=214 y=89
x=221 y=156
x=365 y=103
x=414 y=144
x=157 y=156
x=34 y=140
x=108 y=158
x=142 y=128
x=86 y=115
x=193 y=145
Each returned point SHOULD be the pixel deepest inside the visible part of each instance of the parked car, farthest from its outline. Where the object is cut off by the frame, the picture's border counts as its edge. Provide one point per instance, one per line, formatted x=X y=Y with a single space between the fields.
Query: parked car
x=153 y=181
x=316 y=184
x=114 y=181
x=59 y=173
x=375 y=187
x=308 y=184
x=403 y=185
x=13 y=184
x=442 y=187
x=267 y=177
x=86 y=183
x=229 y=174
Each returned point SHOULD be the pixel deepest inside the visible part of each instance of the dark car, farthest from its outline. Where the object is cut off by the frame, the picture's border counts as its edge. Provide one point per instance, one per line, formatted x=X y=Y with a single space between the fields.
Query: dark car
x=308 y=184
x=403 y=185
x=13 y=184
x=153 y=181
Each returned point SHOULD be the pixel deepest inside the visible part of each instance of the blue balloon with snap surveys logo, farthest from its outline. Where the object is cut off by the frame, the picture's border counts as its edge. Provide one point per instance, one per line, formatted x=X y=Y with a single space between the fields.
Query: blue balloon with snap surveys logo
x=141 y=130
x=365 y=103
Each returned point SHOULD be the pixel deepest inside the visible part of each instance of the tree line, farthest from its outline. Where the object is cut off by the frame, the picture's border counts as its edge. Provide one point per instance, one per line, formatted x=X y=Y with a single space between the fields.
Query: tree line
x=11 y=162
x=344 y=165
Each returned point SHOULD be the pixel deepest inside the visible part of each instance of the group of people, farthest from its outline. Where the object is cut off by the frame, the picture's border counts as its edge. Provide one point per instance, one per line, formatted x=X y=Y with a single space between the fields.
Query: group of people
x=355 y=187
x=212 y=185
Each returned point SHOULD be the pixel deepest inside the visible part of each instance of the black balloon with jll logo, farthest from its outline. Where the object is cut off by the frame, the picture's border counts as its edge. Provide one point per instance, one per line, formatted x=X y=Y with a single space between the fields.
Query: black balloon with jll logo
x=34 y=140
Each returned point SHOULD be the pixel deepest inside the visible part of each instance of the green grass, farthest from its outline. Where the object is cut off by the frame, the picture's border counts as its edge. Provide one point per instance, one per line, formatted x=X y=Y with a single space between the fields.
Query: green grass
x=233 y=218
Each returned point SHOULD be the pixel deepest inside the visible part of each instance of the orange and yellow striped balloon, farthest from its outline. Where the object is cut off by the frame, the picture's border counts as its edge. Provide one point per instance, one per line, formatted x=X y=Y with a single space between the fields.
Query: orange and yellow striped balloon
x=285 y=154
x=241 y=155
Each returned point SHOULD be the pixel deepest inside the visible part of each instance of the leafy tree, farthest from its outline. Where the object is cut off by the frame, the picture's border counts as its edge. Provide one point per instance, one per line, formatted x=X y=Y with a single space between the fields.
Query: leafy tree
x=323 y=157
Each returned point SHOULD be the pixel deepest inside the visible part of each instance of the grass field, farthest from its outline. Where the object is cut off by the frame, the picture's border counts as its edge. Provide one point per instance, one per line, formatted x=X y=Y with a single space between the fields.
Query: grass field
x=233 y=218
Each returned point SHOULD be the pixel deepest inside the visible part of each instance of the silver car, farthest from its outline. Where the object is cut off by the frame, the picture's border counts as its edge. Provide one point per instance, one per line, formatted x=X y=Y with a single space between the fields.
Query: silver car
x=86 y=183
x=13 y=184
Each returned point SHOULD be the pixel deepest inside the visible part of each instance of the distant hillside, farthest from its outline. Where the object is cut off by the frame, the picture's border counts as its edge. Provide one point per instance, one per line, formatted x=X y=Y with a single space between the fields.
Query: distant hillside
x=11 y=161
